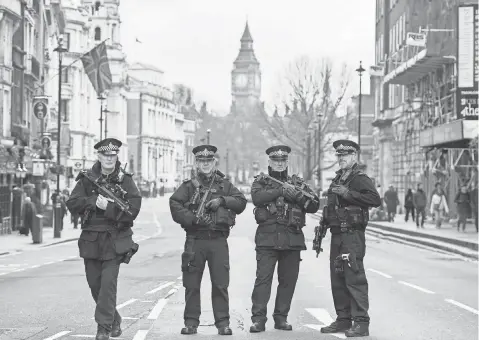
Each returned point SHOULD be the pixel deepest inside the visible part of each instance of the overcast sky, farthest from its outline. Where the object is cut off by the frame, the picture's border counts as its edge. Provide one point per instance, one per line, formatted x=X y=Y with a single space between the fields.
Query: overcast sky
x=195 y=42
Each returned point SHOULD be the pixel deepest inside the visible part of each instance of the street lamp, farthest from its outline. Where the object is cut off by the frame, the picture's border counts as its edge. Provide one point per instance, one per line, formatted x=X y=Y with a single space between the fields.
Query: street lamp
x=57 y=210
x=208 y=136
x=360 y=71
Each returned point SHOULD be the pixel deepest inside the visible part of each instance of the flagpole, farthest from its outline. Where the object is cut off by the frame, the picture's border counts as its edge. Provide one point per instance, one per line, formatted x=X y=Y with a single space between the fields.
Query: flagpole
x=101 y=115
x=69 y=65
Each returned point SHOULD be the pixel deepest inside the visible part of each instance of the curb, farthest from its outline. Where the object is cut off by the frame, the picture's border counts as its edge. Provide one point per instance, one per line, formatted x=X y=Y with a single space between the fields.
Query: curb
x=469 y=249
x=461 y=243
x=41 y=246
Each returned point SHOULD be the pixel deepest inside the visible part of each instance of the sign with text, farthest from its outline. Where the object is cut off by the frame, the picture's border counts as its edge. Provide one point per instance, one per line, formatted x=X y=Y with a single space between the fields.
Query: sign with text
x=467 y=62
x=416 y=39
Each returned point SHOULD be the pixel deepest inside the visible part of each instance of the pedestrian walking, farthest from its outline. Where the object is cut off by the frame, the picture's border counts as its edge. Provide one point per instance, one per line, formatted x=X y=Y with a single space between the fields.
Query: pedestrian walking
x=438 y=205
x=420 y=203
x=206 y=237
x=474 y=207
x=392 y=201
x=350 y=196
x=28 y=214
x=409 y=204
x=280 y=213
x=463 y=204
x=106 y=238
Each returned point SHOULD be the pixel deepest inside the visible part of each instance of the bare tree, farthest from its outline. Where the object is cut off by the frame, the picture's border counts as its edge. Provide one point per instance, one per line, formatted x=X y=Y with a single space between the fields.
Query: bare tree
x=309 y=105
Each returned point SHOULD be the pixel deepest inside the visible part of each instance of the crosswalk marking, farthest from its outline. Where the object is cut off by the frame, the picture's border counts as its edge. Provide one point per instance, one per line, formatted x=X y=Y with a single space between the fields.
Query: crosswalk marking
x=157 y=289
x=58 y=335
x=324 y=318
x=156 y=311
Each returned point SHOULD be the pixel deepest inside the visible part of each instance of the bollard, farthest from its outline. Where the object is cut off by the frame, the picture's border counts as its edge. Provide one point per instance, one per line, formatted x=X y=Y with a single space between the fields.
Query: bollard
x=57 y=221
x=37 y=229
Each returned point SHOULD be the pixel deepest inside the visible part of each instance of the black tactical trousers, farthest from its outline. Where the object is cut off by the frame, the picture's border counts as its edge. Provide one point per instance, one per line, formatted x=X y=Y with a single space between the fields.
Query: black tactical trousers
x=102 y=277
x=350 y=289
x=197 y=251
x=288 y=270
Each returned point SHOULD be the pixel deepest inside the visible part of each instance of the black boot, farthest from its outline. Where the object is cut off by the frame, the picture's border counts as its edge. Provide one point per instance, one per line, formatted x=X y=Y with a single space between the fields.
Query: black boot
x=225 y=330
x=102 y=333
x=357 y=330
x=257 y=327
x=337 y=326
x=116 y=330
x=189 y=330
x=283 y=325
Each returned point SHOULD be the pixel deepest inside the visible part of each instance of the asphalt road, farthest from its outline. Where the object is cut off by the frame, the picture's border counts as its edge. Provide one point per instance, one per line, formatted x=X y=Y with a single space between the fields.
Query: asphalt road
x=414 y=293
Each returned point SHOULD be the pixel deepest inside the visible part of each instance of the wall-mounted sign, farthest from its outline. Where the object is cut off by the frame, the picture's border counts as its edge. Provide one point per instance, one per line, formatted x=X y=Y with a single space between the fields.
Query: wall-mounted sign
x=40 y=107
x=416 y=39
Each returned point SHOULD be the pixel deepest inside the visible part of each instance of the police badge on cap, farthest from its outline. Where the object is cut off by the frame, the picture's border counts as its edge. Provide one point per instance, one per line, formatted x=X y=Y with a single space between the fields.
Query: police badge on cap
x=345 y=147
x=278 y=152
x=108 y=146
x=204 y=151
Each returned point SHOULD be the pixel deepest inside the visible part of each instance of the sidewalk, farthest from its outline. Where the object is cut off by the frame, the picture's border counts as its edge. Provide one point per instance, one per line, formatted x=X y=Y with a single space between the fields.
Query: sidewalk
x=15 y=242
x=446 y=238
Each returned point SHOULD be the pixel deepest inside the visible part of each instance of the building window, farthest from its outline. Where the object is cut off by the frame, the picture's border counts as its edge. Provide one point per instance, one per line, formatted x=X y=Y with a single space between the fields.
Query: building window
x=97 y=6
x=65 y=75
x=97 y=33
x=66 y=41
x=65 y=109
x=113 y=33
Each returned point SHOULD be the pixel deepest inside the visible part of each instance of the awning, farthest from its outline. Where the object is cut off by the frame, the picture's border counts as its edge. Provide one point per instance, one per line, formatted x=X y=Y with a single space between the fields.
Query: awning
x=416 y=68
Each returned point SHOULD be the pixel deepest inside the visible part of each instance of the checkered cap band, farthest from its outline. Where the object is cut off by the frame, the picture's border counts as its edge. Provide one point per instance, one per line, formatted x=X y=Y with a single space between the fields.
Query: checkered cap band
x=205 y=153
x=347 y=148
x=109 y=147
x=278 y=153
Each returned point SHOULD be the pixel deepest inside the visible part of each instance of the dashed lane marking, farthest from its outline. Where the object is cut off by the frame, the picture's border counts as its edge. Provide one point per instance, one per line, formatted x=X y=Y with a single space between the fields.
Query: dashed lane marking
x=424 y=290
x=380 y=273
x=58 y=335
x=126 y=303
x=141 y=334
x=157 y=289
x=463 y=306
x=156 y=311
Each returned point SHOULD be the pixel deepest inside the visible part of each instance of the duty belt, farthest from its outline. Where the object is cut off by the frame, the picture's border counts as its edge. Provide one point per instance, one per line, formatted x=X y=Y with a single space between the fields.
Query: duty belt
x=208 y=234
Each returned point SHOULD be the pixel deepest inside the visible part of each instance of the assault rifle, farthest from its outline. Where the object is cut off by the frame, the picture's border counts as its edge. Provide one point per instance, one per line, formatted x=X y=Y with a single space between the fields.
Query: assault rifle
x=206 y=196
x=285 y=185
x=319 y=234
x=108 y=193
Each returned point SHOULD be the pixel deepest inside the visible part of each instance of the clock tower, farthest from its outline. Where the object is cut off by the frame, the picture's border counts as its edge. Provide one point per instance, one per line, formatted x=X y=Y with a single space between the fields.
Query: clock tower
x=245 y=77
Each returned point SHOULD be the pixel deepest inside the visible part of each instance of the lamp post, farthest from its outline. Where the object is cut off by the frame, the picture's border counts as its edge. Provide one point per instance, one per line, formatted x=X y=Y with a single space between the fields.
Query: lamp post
x=208 y=136
x=57 y=210
x=360 y=71
x=84 y=160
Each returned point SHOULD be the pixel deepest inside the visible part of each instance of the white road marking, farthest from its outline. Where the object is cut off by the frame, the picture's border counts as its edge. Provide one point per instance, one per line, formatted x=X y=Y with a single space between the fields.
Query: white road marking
x=463 y=306
x=126 y=303
x=35 y=266
x=156 y=311
x=87 y=336
x=51 y=262
x=141 y=334
x=324 y=318
x=146 y=301
x=180 y=277
x=417 y=287
x=157 y=289
x=171 y=292
x=58 y=335
x=129 y=318
x=380 y=273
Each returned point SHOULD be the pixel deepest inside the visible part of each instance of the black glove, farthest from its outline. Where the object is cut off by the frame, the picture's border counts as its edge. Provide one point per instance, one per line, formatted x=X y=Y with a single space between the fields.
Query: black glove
x=203 y=221
x=214 y=204
x=340 y=190
x=292 y=195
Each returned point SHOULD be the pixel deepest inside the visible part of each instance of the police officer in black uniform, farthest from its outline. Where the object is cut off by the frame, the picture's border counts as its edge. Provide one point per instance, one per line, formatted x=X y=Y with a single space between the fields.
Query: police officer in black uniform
x=206 y=237
x=350 y=196
x=106 y=237
x=280 y=213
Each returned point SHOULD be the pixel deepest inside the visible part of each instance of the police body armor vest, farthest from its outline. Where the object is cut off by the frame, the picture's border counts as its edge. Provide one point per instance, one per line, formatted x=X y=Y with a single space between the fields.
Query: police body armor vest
x=338 y=212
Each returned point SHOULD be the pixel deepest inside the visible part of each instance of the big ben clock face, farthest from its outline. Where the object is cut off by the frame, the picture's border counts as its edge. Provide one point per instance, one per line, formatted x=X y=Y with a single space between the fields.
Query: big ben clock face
x=241 y=80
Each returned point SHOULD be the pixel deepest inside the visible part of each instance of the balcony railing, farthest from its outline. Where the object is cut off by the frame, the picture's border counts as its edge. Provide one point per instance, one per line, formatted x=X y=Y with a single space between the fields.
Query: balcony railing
x=399 y=57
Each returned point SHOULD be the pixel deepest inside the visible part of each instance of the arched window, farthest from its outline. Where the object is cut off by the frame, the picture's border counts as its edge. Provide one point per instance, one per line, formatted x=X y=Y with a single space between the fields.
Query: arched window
x=97 y=34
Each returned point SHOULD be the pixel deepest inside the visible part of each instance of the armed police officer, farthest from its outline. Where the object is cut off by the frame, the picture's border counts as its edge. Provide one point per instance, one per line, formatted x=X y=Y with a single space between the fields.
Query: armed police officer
x=350 y=196
x=281 y=204
x=106 y=238
x=206 y=206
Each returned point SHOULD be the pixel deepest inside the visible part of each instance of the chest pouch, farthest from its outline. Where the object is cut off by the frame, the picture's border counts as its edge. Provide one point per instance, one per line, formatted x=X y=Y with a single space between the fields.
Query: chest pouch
x=354 y=216
x=295 y=218
x=224 y=216
x=261 y=214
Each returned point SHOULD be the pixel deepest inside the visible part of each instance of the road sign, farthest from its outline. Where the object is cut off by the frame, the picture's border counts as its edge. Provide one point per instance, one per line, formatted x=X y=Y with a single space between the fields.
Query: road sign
x=40 y=107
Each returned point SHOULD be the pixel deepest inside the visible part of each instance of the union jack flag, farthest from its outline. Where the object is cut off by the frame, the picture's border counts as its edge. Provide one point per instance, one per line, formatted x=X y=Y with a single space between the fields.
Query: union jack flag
x=97 y=68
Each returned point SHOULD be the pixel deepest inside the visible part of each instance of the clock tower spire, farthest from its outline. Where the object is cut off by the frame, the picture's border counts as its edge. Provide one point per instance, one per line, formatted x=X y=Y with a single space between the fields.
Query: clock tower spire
x=245 y=76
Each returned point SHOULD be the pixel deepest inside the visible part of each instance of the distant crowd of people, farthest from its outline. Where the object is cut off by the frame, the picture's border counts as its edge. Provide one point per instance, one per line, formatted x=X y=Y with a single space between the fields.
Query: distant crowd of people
x=416 y=204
